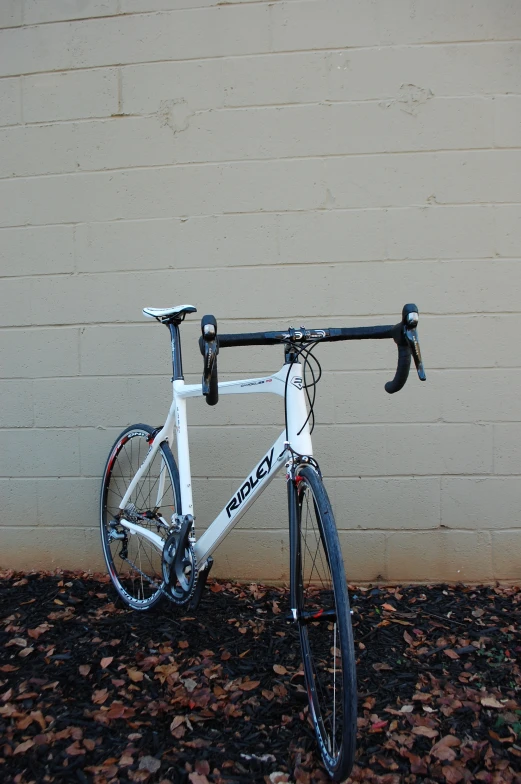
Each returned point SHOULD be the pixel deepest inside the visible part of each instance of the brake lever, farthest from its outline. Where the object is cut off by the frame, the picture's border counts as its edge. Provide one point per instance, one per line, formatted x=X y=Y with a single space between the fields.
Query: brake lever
x=411 y=335
x=209 y=346
x=209 y=361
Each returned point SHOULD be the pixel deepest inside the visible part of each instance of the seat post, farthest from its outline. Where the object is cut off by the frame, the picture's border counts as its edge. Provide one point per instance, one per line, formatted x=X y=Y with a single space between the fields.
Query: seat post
x=177 y=360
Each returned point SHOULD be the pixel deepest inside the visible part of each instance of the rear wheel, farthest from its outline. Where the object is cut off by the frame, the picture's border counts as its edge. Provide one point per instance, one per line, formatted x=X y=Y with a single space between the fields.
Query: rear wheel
x=134 y=561
x=326 y=635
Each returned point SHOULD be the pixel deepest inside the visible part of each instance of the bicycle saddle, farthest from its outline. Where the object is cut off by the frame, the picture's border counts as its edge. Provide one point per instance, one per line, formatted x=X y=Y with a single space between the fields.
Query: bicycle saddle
x=176 y=313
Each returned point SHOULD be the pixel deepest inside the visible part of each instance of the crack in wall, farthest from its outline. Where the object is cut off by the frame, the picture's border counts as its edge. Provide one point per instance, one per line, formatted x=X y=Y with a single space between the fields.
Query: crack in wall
x=175 y=114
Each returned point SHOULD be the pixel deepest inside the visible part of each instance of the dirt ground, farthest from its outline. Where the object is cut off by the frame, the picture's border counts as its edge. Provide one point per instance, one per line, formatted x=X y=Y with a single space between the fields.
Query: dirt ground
x=93 y=692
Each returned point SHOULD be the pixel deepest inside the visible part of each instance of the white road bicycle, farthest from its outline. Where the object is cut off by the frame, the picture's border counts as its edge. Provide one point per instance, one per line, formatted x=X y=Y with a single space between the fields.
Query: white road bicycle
x=147 y=512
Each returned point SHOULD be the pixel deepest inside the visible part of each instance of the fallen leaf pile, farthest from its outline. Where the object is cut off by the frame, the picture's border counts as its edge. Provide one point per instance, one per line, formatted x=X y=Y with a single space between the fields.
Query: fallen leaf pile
x=92 y=692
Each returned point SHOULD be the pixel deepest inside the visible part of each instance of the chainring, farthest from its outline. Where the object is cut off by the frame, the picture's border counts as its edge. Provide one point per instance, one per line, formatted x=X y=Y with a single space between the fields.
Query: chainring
x=179 y=571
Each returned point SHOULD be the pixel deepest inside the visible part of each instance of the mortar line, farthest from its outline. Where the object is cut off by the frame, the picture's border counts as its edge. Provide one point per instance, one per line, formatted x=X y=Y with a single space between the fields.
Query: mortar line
x=261 y=320
x=240 y=56
x=289 y=105
x=233 y=162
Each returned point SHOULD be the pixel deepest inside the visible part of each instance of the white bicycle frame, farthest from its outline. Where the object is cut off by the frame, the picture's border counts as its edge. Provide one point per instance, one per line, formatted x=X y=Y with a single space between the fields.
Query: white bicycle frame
x=288 y=381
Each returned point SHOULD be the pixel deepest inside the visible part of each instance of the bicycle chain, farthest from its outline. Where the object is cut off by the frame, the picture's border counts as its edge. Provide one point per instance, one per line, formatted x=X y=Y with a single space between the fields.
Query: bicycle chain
x=138 y=570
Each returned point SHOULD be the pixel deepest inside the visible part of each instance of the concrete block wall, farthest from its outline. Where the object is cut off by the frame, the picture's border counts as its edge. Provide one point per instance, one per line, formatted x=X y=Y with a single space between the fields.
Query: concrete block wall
x=294 y=161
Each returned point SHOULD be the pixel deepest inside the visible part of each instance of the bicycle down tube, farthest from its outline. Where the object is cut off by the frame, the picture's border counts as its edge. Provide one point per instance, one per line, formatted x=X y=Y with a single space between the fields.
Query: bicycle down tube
x=298 y=437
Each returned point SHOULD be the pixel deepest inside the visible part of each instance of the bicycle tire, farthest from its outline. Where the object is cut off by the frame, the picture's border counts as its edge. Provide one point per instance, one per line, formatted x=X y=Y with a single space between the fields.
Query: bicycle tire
x=134 y=563
x=325 y=630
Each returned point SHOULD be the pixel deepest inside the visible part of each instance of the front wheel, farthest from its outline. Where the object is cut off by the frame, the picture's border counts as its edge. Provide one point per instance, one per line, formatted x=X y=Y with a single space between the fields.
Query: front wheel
x=324 y=620
x=134 y=562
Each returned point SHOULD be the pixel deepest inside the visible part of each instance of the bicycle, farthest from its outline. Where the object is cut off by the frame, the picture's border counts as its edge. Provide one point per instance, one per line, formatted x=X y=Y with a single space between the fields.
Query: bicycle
x=147 y=514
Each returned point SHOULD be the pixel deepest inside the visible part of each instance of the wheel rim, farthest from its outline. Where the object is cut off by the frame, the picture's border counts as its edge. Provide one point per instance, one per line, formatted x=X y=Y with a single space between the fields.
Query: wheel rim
x=320 y=638
x=134 y=563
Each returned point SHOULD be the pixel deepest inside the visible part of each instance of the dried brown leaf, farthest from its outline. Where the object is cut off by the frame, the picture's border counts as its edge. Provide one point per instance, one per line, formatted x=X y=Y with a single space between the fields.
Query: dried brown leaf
x=216 y=588
x=179 y=732
x=23 y=723
x=37 y=716
x=202 y=767
x=197 y=778
x=149 y=763
x=451 y=653
x=422 y=696
x=125 y=760
x=74 y=749
x=418 y=764
x=427 y=732
x=452 y=774
x=23 y=747
x=491 y=702
x=99 y=696
x=249 y=685
x=39 y=630
x=443 y=753
x=448 y=740
x=119 y=711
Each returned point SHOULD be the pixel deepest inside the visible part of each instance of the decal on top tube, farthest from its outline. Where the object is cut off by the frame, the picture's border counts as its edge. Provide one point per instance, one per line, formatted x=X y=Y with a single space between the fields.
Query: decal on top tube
x=250 y=483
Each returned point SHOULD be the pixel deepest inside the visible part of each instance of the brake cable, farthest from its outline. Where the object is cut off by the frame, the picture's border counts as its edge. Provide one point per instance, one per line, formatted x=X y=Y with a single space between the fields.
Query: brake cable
x=307 y=352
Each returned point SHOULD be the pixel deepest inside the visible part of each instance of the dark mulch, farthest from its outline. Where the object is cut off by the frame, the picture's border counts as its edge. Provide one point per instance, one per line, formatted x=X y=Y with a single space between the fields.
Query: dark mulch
x=92 y=692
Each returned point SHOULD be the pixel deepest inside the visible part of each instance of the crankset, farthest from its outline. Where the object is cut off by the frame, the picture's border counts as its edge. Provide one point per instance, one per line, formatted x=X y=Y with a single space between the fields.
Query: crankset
x=179 y=564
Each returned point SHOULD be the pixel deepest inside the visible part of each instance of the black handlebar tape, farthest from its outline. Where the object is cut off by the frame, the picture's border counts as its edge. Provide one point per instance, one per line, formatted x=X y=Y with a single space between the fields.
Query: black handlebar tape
x=250 y=339
x=333 y=334
x=402 y=371
x=383 y=332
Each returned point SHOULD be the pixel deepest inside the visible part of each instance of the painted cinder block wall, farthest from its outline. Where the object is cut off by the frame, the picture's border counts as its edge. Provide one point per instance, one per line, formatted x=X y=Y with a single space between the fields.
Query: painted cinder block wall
x=315 y=162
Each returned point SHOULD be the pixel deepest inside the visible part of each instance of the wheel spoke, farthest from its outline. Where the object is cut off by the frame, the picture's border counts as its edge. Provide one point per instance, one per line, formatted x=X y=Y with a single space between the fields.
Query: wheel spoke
x=134 y=562
x=325 y=628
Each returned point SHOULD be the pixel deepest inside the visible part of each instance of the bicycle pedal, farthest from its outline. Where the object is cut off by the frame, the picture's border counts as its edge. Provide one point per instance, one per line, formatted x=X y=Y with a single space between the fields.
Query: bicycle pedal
x=202 y=577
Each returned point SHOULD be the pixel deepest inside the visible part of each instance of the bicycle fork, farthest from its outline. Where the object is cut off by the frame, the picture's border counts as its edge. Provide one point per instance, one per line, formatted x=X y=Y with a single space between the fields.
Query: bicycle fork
x=297 y=614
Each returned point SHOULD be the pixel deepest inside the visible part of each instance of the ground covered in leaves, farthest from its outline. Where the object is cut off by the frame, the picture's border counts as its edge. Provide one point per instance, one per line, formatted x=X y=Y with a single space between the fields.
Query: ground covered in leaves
x=93 y=692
